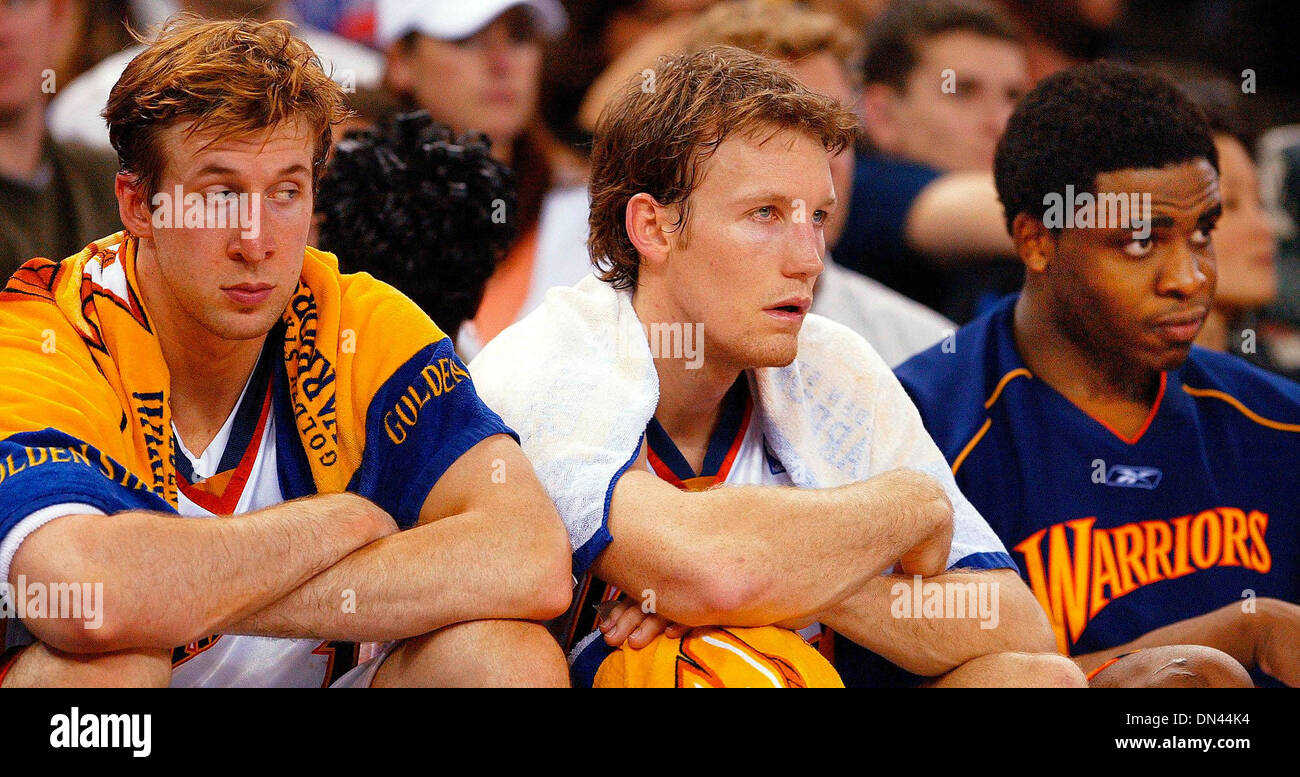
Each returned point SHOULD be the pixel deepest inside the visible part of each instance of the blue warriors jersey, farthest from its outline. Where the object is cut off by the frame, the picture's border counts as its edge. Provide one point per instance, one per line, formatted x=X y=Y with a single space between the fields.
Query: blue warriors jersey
x=1119 y=536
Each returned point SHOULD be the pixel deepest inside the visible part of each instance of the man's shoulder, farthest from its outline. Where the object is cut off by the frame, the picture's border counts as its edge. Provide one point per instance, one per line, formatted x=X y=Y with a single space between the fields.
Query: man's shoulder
x=1225 y=382
x=965 y=358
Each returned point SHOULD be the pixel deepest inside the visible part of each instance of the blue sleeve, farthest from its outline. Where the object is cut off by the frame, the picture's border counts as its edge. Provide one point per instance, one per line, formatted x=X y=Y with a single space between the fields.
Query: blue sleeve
x=424 y=418
x=883 y=192
x=49 y=467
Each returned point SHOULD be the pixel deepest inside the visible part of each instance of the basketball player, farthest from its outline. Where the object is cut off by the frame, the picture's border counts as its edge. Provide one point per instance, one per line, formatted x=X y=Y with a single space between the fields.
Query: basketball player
x=709 y=196
x=212 y=367
x=1147 y=485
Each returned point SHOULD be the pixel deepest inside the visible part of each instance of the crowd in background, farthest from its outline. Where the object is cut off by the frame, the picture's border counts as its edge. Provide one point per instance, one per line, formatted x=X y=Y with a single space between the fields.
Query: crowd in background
x=917 y=245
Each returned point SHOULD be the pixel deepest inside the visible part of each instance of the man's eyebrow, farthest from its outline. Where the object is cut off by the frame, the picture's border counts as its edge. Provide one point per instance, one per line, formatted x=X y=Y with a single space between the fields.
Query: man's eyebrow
x=216 y=169
x=1211 y=213
x=772 y=196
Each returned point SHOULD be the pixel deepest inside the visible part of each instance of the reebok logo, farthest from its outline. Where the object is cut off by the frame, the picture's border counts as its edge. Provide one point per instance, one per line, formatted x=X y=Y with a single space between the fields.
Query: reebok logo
x=1133 y=477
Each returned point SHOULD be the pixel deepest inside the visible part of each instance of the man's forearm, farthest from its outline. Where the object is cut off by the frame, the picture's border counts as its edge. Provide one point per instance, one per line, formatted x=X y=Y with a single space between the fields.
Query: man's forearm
x=168 y=580
x=744 y=556
x=939 y=623
x=1223 y=629
x=459 y=568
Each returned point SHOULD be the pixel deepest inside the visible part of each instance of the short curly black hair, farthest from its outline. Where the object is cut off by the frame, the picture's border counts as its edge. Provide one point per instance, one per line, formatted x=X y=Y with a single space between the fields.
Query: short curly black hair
x=417 y=209
x=1091 y=119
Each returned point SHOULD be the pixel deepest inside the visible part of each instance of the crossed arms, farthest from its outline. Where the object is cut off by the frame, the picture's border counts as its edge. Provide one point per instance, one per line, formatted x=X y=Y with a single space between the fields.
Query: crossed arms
x=751 y=556
x=480 y=550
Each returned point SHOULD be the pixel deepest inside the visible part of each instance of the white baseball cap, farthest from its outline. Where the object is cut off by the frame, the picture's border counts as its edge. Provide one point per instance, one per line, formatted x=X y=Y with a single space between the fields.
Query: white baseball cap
x=457 y=19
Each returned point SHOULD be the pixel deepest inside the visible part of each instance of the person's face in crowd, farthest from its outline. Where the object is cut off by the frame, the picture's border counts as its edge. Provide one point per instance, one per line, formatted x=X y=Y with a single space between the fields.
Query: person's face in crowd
x=1139 y=303
x=752 y=248
x=26 y=40
x=823 y=74
x=221 y=283
x=627 y=26
x=1244 y=241
x=487 y=82
x=956 y=102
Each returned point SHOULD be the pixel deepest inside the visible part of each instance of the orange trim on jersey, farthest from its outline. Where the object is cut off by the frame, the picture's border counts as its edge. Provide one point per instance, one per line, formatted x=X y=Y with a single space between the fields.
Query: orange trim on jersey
x=724 y=469
x=1231 y=400
x=988 y=404
x=1119 y=657
x=224 y=503
x=663 y=470
x=705 y=482
x=961 y=457
x=997 y=391
x=1155 y=408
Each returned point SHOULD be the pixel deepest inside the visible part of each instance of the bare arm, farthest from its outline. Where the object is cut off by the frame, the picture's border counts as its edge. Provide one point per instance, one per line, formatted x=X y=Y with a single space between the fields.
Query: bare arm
x=958 y=218
x=1265 y=638
x=41 y=666
x=741 y=555
x=168 y=580
x=877 y=618
x=482 y=549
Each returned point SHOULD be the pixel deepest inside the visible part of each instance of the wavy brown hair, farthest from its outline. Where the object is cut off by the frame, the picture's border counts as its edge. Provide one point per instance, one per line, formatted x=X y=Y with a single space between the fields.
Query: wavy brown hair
x=658 y=131
x=234 y=78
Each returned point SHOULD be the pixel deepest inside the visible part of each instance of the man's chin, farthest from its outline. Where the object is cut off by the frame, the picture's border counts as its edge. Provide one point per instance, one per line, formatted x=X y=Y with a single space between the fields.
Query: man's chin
x=775 y=355
x=241 y=328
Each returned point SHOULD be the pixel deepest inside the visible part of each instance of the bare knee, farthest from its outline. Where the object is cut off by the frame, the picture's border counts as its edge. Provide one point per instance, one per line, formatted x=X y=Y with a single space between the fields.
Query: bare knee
x=495 y=653
x=1016 y=670
x=1038 y=670
x=1175 y=666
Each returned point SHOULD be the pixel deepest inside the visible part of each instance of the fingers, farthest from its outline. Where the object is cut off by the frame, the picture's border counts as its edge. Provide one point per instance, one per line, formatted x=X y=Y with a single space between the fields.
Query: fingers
x=651 y=627
x=627 y=622
x=622 y=620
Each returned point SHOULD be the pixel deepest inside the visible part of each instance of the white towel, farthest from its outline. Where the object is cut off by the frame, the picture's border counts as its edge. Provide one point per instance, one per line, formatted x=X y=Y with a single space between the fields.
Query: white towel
x=575 y=379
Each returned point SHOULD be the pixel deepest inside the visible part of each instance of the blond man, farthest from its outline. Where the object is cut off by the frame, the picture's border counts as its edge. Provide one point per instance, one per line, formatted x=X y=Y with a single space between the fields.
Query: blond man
x=693 y=363
x=206 y=362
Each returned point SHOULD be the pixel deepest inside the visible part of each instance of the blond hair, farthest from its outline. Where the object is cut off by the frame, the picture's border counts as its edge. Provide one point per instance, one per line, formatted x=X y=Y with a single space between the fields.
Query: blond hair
x=232 y=78
x=655 y=134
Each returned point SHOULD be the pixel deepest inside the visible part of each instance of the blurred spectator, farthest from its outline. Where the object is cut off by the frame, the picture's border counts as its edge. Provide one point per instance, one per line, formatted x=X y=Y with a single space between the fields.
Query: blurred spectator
x=353 y=19
x=93 y=30
x=55 y=197
x=826 y=57
x=370 y=107
x=1245 y=242
x=855 y=14
x=74 y=114
x=941 y=79
x=415 y=208
x=477 y=66
x=1061 y=33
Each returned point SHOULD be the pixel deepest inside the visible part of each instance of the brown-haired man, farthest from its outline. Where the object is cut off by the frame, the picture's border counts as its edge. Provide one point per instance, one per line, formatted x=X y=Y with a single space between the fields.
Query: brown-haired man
x=691 y=363
x=207 y=362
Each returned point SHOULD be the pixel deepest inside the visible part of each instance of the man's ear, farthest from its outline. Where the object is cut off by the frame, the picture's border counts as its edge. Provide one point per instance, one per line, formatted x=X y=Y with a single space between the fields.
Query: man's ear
x=399 y=75
x=878 y=112
x=132 y=205
x=648 y=225
x=1035 y=243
